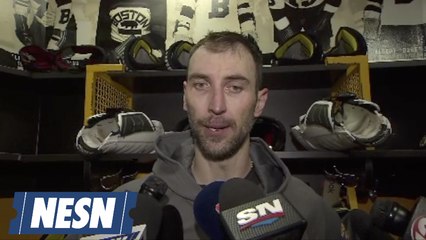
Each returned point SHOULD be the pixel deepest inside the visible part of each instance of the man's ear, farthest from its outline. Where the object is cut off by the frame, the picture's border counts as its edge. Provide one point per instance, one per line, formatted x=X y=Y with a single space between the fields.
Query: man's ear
x=262 y=96
x=184 y=94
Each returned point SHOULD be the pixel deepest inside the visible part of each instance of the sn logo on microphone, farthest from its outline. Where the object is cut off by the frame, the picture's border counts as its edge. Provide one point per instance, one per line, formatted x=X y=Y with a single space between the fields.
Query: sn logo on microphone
x=261 y=214
x=73 y=212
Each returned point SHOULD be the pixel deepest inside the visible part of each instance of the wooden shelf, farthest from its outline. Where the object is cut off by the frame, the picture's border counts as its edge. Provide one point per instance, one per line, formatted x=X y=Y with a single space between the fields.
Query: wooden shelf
x=181 y=73
x=149 y=158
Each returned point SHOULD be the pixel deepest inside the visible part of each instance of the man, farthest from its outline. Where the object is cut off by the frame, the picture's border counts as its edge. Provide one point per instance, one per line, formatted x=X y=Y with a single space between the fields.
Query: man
x=222 y=97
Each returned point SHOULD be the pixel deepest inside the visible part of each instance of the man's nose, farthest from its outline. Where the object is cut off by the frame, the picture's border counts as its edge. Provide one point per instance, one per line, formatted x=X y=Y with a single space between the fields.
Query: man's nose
x=217 y=103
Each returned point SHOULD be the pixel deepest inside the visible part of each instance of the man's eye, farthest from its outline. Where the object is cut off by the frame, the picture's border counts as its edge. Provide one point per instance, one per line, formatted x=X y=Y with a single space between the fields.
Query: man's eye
x=200 y=85
x=235 y=88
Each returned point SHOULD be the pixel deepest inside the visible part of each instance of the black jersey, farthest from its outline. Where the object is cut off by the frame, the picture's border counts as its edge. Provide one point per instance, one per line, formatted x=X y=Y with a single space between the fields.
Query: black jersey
x=119 y=19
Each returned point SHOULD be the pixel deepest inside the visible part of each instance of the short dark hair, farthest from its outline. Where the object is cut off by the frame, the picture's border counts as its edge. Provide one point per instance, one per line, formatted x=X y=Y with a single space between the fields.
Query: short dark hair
x=222 y=41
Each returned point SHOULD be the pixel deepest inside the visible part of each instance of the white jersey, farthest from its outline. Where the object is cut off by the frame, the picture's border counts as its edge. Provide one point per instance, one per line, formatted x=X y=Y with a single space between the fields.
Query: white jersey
x=216 y=15
x=86 y=15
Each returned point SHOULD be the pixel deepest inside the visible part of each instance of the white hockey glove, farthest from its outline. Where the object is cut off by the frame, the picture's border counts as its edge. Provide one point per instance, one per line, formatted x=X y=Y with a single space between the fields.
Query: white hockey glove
x=342 y=124
x=119 y=132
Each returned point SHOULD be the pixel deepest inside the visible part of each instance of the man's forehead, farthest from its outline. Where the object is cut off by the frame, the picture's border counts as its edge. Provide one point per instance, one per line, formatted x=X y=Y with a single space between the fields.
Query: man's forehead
x=238 y=50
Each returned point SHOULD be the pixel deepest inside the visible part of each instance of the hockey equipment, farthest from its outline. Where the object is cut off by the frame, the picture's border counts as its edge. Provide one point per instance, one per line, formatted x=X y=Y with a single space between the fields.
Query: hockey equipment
x=116 y=55
x=301 y=48
x=271 y=131
x=37 y=59
x=177 y=56
x=118 y=131
x=342 y=123
x=75 y=58
x=348 y=42
x=145 y=52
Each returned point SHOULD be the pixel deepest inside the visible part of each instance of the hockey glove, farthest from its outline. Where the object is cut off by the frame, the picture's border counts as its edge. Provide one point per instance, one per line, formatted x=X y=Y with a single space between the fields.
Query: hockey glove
x=177 y=56
x=76 y=57
x=301 y=48
x=119 y=132
x=348 y=42
x=342 y=124
x=145 y=52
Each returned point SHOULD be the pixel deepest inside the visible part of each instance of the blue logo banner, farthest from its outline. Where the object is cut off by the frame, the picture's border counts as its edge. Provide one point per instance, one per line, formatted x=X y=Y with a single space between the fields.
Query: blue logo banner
x=73 y=212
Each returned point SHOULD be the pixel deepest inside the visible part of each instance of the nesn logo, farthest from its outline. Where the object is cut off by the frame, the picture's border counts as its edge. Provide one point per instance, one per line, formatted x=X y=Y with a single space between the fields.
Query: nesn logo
x=73 y=212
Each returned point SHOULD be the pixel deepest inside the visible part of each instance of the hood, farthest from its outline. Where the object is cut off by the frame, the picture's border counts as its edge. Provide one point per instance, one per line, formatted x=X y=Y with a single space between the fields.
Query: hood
x=175 y=152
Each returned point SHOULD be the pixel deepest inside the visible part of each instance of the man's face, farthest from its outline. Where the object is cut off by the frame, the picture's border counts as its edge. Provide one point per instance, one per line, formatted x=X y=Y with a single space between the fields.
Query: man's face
x=221 y=99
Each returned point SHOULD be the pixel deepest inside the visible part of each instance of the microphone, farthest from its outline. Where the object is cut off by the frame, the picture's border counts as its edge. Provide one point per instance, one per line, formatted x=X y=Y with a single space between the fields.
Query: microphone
x=147 y=214
x=149 y=209
x=171 y=225
x=206 y=211
x=396 y=219
x=358 y=225
x=247 y=214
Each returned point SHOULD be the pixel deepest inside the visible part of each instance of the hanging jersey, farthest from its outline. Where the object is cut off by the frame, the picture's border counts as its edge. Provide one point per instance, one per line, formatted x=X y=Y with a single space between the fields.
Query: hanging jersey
x=330 y=5
x=283 y=10
x=197 y=18
x=51 y=13
x=39 y=14
x=373 y=9
x=86 y=14
x=118 y=20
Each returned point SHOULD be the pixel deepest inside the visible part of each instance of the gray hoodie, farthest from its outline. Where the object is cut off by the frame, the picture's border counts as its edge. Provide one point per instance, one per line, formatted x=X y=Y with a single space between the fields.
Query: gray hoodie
x=175 y=153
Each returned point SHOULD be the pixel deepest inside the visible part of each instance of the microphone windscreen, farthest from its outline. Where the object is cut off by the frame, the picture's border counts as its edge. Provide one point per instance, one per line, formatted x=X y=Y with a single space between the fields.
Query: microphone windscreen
x=154 y=186
x=148 y=208
x=237 y=191
x=359 y=225
x=171 y=224
x=417 y=226
x=147 y=211
x=247 y=213
x=390 y=216
x=206 y=211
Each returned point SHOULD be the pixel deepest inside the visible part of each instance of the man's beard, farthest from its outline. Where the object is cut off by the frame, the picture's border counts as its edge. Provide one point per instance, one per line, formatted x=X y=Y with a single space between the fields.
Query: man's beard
x=219 y=149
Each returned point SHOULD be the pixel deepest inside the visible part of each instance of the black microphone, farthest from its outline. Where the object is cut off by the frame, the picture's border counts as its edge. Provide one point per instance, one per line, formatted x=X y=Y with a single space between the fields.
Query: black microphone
x=396 y=219
x=171 y=224
x=147 y=214
x=149 y=209
x=247 y=214
x=358 y=225
x=206 y=211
